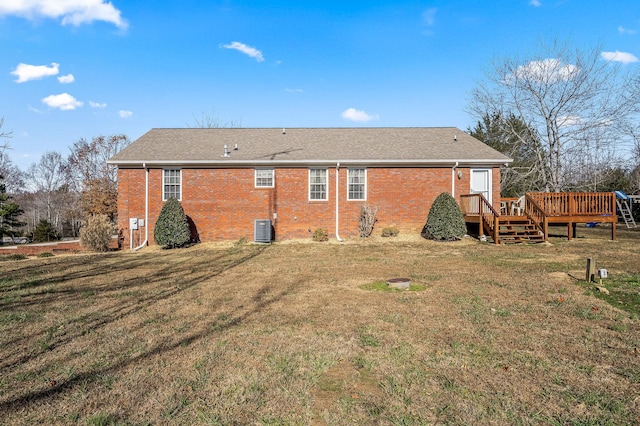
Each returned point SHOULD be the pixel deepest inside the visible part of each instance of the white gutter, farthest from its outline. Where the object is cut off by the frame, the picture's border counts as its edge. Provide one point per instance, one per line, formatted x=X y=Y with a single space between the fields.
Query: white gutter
x=453 y=180
x=312 y=162
x=337 y=210
x=146 y=209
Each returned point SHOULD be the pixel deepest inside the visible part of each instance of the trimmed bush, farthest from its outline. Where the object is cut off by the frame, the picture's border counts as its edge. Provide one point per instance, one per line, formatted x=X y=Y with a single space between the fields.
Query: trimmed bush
x=320 y=235
x=172 y=228
x=97 y=232
x=445 y=221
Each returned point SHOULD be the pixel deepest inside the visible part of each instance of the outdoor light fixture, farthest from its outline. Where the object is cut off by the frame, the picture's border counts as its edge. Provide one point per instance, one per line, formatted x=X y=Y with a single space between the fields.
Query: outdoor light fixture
x=459 y=174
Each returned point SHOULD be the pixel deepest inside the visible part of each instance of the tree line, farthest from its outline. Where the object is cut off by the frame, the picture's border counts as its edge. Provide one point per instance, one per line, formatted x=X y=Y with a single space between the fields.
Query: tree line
x=55 y=195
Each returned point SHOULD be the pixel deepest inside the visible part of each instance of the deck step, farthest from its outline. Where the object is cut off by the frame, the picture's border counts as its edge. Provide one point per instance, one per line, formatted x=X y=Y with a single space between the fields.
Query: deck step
x=518 y=230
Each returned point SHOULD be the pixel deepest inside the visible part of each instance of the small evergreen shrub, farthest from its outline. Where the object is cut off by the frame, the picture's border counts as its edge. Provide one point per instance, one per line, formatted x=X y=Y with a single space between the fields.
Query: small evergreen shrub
x=445 y=221
x=45 y=232
x=45 y=254
x=97 y=232
x=390 y=231
x=172 y=228
x=320 y=235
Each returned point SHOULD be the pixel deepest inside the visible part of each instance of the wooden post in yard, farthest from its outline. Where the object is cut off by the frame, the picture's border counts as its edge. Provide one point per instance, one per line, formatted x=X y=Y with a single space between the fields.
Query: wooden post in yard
x=591 y=269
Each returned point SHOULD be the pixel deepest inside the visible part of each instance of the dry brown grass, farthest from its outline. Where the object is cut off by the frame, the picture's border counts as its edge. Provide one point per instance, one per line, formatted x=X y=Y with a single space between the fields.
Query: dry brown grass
x=288 y=334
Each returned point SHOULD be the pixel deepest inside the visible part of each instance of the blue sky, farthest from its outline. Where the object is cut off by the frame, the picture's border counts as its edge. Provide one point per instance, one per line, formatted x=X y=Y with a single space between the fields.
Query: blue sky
x=81 y=68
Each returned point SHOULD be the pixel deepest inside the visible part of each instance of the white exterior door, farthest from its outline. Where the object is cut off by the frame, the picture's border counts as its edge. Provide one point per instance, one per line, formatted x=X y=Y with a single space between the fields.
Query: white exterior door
x=481 y=183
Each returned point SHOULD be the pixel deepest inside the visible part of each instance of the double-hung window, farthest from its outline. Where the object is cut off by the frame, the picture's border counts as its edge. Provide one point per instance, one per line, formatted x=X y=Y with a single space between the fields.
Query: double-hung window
x=318 y=189
x=171 y=184
x=357 y=184
x=264 y=178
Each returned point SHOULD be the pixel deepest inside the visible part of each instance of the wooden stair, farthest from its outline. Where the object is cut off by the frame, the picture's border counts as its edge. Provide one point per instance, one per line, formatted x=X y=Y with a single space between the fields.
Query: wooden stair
x=518 y=229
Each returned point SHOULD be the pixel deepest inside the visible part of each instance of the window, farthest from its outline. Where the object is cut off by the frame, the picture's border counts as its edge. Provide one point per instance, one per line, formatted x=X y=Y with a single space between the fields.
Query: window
x=171 y=184
x=318 y=184
x=357 y=188
x=264 y=178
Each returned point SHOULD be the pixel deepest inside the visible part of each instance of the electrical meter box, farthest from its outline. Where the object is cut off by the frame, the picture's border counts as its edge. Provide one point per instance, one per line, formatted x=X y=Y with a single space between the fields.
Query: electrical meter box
x=133 y=223
x=602 y=273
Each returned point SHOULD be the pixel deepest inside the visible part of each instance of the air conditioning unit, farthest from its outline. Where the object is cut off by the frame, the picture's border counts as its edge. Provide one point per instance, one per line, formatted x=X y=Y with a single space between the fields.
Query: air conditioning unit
x=262 y=231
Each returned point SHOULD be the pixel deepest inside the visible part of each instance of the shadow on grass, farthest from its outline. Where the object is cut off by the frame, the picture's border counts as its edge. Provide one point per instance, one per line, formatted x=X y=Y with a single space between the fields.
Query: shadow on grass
x=150 y=288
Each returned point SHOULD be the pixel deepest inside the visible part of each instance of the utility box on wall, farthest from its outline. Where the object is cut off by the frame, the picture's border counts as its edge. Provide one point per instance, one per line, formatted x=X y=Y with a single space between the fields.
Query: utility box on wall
x=133 y=223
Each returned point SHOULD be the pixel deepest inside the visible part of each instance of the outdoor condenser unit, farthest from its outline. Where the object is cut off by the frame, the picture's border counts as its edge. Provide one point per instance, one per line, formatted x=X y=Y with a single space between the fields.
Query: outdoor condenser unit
x=262 y=231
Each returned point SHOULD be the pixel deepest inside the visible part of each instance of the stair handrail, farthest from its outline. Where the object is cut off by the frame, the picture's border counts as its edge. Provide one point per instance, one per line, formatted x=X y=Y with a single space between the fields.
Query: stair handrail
x=536 y=214
x=489 y=217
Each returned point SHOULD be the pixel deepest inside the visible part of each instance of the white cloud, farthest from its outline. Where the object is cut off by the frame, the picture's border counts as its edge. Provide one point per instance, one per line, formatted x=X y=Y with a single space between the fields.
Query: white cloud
x=570 y=120
x=623 y=30
x=26 y=72
x=63 y=101
x=125 y=114
x=66 y=79
x=535 y=3
x=547 y=70
x=294 y=90
x=429 y=16
x=72 y=12
x=356 y=115
x=624 y=57
x=247 y=50
x=97 y=104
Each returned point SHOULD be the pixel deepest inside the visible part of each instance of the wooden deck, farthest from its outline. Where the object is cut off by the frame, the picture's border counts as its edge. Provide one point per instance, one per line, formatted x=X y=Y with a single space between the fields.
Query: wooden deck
x=530 y=220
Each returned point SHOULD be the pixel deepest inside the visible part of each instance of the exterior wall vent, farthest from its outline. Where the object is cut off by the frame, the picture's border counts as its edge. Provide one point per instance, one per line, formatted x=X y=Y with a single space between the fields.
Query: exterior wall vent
x=262 y=231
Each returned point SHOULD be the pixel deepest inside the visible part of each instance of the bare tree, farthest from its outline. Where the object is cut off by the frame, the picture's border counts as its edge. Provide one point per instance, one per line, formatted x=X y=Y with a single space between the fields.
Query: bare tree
x=96 y=180
x=14 y=177
x=4 y=136
x=47 y=180
x=577 y=103
x=212 y=121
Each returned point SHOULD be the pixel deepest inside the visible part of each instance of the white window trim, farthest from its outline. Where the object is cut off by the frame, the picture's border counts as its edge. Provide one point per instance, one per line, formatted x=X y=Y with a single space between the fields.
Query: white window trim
x=255 y=178
x=326 y=183
x=164 y=197
x=365 y=184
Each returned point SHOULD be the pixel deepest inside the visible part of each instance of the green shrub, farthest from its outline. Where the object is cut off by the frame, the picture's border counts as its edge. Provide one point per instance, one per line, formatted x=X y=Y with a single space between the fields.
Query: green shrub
x=45 y=254
x=172 y=228
x=44 y=232
x=445 y=221
x=320 y=235
x=390 y=231
x=97 y=232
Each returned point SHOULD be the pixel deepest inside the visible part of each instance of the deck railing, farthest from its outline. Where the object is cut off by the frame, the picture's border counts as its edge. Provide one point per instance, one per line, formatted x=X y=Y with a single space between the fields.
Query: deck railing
x=575 y=203
x=534 y=211
x=478 y=205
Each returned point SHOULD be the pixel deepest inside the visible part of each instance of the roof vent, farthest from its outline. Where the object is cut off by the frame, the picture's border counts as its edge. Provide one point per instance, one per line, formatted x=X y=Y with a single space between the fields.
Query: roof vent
x=284 y=131
x=455 y=137
x=226 y=152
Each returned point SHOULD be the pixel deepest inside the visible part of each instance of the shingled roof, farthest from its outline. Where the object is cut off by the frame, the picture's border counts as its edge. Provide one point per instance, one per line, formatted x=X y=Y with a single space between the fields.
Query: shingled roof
x=307 y=146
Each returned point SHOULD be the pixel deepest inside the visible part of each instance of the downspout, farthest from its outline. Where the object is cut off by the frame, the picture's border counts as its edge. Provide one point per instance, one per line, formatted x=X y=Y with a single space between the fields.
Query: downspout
x=337 y=210
x=146 y=208
x=453 y=180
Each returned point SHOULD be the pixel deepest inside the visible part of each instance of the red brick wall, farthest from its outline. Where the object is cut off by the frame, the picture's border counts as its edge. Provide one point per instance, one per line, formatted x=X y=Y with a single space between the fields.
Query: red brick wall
x=223 y=203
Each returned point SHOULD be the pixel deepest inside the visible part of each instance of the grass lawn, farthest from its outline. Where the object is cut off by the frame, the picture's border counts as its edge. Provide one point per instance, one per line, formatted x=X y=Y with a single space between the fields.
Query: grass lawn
x=302 y=333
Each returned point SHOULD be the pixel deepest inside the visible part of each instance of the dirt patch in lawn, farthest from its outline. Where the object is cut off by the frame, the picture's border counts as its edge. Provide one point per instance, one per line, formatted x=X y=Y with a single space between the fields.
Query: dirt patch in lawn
x=291 y=334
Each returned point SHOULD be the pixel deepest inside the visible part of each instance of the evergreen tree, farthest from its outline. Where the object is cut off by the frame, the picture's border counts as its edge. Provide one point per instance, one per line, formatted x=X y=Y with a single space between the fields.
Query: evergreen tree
x=9 y=213
x=445 y=221
x=172 y=228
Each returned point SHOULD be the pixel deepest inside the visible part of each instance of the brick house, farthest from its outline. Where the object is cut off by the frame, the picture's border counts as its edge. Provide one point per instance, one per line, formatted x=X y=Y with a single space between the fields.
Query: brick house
x=299 y=179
